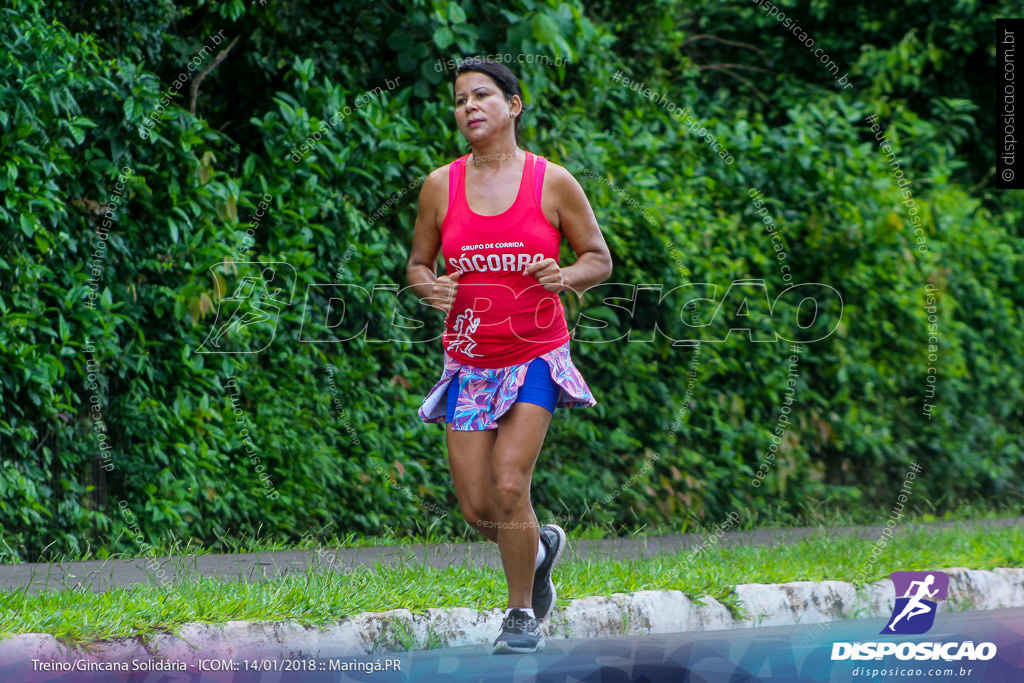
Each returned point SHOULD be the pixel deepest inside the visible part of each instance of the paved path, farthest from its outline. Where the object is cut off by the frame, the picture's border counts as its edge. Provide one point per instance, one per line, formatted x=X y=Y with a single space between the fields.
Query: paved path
x=104 y=575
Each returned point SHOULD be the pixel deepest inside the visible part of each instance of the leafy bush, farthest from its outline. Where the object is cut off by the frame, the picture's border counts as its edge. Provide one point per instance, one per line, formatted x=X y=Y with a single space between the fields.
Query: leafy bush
x=106 y=403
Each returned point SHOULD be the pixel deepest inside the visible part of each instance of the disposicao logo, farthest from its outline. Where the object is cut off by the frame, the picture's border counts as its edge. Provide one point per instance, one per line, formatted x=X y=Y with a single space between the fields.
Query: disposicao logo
x=917 y=598
x=914 y=613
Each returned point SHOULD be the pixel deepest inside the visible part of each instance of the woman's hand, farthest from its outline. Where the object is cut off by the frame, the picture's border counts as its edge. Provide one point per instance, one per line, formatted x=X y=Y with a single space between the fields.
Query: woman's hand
x=442 y=294
x=547 y=273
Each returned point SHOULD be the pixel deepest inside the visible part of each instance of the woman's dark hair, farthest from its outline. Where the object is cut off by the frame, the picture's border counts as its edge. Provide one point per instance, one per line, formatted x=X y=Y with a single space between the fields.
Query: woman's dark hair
x=501 y=75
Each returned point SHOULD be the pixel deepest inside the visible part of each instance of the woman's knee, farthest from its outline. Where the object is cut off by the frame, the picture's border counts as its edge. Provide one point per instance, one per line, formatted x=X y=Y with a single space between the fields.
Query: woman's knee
x=478 y=512
x=509 y=494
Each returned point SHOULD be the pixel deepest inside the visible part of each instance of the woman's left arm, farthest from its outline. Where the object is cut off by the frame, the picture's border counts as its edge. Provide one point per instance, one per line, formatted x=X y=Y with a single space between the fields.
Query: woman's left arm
x=578 y=223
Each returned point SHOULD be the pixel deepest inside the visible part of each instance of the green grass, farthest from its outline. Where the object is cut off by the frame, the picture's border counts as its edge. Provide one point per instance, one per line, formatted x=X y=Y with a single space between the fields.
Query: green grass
x=760 y=518
x=319 y=599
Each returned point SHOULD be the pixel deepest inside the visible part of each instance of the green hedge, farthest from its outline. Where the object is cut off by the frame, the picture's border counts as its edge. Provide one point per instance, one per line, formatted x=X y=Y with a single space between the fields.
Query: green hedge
x=140 y=421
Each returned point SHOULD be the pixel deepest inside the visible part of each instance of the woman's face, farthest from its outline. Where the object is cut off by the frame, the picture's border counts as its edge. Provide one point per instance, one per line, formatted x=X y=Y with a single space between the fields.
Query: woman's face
x=481 y=109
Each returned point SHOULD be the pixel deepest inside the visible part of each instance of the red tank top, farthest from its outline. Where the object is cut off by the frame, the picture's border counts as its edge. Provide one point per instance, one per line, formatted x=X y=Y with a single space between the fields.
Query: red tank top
x=500 y=317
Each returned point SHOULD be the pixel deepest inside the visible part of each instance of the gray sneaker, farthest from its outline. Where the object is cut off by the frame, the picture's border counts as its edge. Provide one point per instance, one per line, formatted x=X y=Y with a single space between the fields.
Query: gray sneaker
x=520 y=634
x=544 y=595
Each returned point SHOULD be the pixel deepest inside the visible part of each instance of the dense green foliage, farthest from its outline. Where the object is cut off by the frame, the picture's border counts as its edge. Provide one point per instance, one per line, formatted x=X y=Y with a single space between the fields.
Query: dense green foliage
x=139 y=432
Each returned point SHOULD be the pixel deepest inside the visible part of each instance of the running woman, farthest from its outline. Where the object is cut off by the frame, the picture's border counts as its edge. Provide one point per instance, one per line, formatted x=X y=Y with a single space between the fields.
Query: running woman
x=496 y=216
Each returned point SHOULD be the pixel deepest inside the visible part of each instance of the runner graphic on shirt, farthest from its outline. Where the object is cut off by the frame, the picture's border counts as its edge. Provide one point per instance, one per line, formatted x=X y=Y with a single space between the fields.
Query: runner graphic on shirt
x=465 y=325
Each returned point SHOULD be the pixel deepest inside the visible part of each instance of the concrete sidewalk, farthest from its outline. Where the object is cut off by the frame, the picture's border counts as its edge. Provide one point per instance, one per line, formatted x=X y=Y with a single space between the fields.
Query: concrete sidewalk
x=105 y=575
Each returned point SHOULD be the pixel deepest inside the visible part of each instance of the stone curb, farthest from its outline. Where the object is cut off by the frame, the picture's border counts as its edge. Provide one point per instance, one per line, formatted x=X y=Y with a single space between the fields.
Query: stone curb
x=641 y=613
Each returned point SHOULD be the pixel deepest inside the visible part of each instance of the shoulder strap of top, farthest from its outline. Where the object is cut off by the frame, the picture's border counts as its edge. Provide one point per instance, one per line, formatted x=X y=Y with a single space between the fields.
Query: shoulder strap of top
x=540 y=163
x=455 y=172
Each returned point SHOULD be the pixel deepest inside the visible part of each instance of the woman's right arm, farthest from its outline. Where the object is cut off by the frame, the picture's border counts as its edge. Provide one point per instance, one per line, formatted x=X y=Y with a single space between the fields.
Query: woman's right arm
x=421 y=271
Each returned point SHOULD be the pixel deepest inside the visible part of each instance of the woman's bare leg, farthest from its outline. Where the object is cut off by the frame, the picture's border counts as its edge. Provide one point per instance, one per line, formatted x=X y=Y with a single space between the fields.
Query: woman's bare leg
x=469 y=459
x=521 y=433
x=492 y=470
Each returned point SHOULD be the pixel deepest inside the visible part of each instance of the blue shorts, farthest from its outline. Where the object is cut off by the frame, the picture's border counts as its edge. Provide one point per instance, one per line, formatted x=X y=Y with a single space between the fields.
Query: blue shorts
x=538 y=388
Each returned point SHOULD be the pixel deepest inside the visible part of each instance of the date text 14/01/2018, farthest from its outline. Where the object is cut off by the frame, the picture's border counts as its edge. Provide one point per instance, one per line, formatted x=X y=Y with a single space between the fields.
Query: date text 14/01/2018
x=299 y=665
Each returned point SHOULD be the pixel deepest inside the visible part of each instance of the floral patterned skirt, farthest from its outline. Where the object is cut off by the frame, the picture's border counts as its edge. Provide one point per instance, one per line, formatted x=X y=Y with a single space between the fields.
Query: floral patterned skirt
x=485 y=394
